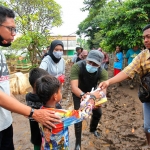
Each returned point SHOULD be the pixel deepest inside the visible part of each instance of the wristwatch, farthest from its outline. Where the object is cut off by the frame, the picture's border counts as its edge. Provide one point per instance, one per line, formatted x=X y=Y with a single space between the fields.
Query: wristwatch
x=93 y=97
x=31 y=113
x=82 y=94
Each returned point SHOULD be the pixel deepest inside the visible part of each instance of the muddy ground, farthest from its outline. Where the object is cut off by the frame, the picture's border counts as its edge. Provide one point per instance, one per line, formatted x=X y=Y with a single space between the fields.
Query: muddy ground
x=121 y=125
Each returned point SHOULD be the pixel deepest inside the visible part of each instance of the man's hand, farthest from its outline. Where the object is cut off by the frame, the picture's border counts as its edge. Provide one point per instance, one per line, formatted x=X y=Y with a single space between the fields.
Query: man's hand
x=84 y=96
x=104 y=85
x=95 y=93
x=45 y=117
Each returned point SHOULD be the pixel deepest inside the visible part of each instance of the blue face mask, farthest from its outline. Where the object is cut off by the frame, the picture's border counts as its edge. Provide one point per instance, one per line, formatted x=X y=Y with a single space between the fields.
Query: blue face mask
x=91 y=69
x=58 y=54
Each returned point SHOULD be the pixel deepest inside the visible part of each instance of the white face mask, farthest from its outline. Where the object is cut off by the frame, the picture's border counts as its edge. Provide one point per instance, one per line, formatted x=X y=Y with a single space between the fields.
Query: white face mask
x=91 y=69
x=58 y=54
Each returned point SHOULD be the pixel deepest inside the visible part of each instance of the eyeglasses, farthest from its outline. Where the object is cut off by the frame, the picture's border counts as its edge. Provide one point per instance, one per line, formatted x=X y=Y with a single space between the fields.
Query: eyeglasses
x=11 y=29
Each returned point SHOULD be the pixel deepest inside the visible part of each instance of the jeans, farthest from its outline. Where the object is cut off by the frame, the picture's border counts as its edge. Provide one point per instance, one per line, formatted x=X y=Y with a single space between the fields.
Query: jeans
x=146 y=111
x=6 y=139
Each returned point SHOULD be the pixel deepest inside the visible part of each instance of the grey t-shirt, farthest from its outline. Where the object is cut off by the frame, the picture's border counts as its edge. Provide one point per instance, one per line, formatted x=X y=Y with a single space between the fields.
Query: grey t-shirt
x=51 y=67
x=74 y=58
x=5 y=115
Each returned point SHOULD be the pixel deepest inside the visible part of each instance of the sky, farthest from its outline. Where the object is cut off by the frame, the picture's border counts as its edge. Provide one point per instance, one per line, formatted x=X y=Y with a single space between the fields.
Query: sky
x=71 y=17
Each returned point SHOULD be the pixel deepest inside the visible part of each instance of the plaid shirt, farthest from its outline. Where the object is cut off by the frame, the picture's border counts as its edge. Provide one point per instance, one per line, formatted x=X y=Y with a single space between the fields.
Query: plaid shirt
x=139 y=65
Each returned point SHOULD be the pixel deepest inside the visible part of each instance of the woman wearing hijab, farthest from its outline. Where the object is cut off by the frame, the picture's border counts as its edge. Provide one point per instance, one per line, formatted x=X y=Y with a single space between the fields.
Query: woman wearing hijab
x=53 y=63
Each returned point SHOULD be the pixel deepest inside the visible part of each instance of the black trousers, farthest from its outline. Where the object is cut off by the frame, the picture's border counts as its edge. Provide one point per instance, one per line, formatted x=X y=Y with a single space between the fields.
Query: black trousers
x=97 y=113
x=6 y=139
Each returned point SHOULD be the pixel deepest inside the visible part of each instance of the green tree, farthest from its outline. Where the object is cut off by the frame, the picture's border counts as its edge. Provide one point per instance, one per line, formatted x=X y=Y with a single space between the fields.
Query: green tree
x=34 y=19
x=123 y=25
x=117 y=23
x=83 y=43
x=90 y=25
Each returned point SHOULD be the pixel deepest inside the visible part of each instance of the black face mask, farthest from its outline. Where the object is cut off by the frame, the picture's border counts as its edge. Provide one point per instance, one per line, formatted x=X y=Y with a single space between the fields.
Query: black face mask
x=2 y=44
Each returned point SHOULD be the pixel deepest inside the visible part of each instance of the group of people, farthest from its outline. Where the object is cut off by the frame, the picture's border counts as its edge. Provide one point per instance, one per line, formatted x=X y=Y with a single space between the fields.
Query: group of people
x=119 y=60
x=79 y=55
x=47 y=93
x=85 y=75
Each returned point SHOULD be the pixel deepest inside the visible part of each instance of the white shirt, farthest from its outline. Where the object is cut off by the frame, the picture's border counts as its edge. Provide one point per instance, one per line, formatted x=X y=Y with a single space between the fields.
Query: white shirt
x=51 y=67
x=5 y=115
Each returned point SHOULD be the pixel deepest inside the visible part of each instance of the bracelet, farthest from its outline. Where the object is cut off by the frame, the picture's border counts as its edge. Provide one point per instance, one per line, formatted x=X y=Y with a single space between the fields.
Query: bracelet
x=31 y=113
x=93 y=97
x=82 y=94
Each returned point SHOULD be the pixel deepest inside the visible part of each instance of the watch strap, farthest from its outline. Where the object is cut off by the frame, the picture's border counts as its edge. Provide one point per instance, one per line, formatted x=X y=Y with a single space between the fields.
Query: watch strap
x=31 y=113
x=82 y=94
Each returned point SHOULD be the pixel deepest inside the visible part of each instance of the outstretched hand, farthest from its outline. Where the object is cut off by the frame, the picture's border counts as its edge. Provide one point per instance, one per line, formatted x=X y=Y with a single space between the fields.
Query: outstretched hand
x=104 y=85
x=46 y=117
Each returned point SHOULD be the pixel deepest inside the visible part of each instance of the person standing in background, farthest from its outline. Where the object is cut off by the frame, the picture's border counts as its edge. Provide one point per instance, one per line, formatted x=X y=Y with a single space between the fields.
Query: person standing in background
x=118 y=62
x=106 y=59
x=82 y=56
x=130 y=55
x=78 y=52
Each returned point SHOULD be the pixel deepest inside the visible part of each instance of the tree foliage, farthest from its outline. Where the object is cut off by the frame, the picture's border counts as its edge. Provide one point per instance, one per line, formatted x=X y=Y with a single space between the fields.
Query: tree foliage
x=34 y=19
x=117 y=23
x=83 y=43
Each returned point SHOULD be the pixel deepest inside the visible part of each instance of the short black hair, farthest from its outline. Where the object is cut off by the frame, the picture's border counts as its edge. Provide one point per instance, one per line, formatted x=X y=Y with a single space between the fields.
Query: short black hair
x=78 y=48
x=4 y=13
x=146 y=27
x=46 y=86
x=48 y=47
x=119 y=47
x=36 y=73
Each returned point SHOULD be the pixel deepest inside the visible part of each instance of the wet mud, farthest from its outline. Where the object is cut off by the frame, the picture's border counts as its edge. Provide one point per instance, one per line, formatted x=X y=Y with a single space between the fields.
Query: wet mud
x=121 y=125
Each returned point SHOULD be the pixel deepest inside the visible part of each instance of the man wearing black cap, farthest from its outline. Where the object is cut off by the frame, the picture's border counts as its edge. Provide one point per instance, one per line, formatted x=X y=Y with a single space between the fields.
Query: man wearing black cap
x=85 y=75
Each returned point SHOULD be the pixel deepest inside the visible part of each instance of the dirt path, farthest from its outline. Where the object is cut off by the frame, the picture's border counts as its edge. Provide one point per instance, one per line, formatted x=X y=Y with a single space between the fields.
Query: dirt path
x=121 y=123
x=120 y=126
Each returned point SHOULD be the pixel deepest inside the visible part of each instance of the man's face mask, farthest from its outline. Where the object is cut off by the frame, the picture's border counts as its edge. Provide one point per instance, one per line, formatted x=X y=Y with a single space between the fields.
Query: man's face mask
x=91 y=69
x=4 y=43
x=58 y=54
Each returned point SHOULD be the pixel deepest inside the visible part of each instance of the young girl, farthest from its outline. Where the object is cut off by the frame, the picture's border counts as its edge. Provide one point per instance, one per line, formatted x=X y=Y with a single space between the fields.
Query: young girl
x=118 y=64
